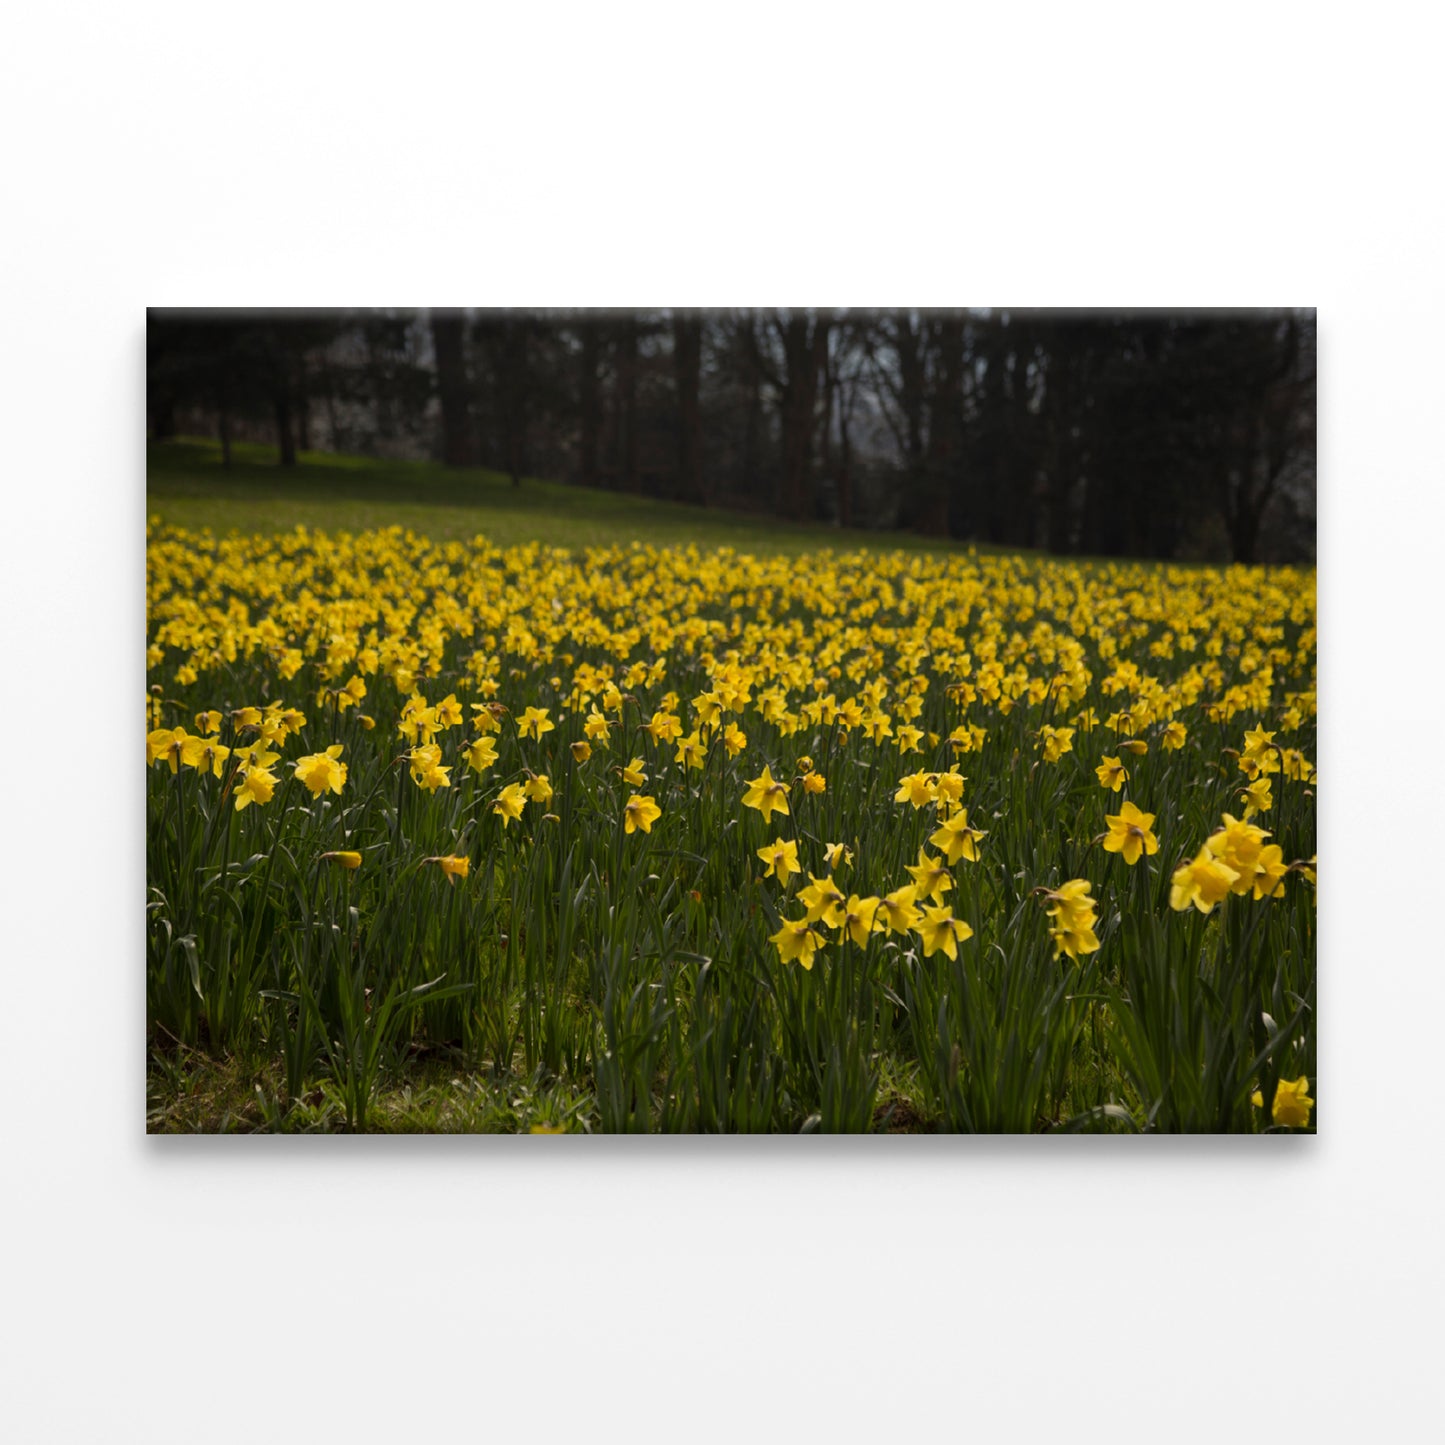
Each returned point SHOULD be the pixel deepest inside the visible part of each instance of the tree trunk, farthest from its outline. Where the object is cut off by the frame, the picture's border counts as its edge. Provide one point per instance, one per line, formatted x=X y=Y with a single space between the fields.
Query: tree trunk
x=627 y=383
x=845 y=461
x=512 y=389
x=285 y=436
x=753 y=415
x=590 y=395
x=448 y=329
x=223 y=428
x=945 y=426
x=829 y=385
x=331 y=418
x=303 y=420
x=908 y=343
x=799 y=403
x=687 y=362
x=1063 y=389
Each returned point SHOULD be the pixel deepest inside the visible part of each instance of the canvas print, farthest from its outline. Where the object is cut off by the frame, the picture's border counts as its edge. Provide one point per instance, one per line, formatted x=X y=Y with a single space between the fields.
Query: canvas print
x=747 y=721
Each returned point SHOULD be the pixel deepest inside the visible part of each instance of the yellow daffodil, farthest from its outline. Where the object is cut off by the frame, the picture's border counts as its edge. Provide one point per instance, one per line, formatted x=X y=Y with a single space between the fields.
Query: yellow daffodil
x=897 y=911
x=823 y=899
x=931 y=877
x=939 y=929
x=781 y=857
x=256 y=786
x=948 y=788
x=212 y=758
x=487 y=716
x=1129 y=834
x=955 y=839
x=857 y=918
x=1292 y=1103
x=917 y=788
x=796 y=942
x=344 y=859
x=640 y=812
x=1112 y=774
x=1239 y=846
x=174 y=746
x=1257 y=797
x=691 y=751
x=1259 y=749
x=509 y=803
x=1204 y=882
x=453 y=867
x=1073 y=912
x=426 y=768
x=254 y=755
x=909 y=738
x=1056 y=742
x=1269 y=874
x=479 y=754
x=707 y=709
x=766 y=795
x=663 y=727
x=534 y=722
x=320 y=771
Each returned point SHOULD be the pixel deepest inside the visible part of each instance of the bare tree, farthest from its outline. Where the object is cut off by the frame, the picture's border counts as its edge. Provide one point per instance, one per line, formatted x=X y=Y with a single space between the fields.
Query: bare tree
x=448 y=328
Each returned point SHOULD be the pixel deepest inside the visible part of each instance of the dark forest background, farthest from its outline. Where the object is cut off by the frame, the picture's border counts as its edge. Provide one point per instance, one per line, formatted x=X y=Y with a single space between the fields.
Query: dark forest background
x=1108 y=433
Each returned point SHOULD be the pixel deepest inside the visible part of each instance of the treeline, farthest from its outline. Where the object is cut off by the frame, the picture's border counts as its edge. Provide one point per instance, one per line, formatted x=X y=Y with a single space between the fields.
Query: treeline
x=1109 y=433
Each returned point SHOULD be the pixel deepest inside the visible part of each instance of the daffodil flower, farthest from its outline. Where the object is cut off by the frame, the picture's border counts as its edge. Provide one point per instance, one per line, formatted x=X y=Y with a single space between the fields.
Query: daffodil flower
x=1112 y=774
x=767 y=795
x=956 y=839
x=640 y=812
x=781 y=856
x=320 y=771
x=796 y=942
x=509 y=803
x=1129 y=834
x=939 y=929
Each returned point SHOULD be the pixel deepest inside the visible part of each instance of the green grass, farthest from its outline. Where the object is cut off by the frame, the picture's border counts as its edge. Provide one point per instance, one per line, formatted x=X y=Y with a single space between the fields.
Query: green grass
x=584 y=977
x=186 y=486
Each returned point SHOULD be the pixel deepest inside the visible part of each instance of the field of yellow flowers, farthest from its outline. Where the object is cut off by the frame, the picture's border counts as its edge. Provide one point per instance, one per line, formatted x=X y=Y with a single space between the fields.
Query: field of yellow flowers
x=663 y=839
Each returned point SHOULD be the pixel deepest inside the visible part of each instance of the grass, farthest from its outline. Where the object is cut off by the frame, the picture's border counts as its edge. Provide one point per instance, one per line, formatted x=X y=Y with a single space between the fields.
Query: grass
x=186 y=486
x=561 y=971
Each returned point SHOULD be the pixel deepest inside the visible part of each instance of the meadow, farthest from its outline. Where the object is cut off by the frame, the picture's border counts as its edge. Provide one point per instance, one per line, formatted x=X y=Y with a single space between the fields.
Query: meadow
x=452 y=828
